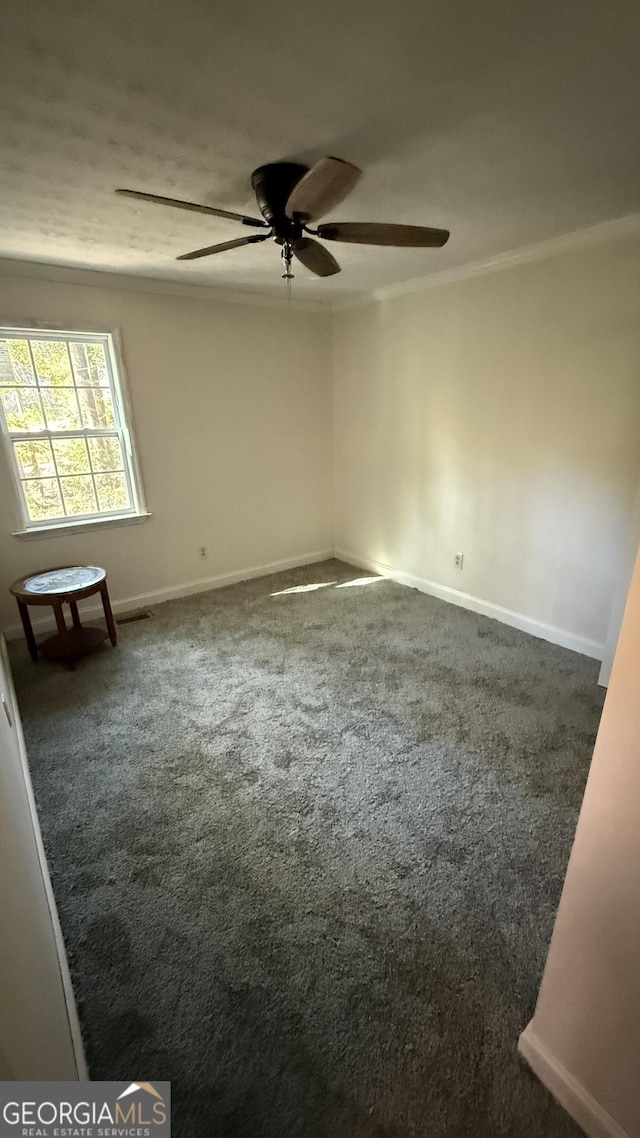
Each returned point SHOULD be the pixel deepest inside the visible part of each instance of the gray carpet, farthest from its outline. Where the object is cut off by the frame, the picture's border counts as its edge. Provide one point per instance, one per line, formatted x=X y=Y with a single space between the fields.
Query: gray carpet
x=307 y=850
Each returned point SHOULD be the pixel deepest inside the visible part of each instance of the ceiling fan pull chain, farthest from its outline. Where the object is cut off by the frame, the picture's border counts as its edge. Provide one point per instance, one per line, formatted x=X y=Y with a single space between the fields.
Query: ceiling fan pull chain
x=287 y=257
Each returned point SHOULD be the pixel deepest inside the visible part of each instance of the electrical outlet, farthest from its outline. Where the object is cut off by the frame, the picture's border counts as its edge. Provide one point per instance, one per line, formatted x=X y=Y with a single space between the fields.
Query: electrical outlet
x=459 y=560
x=203 y=553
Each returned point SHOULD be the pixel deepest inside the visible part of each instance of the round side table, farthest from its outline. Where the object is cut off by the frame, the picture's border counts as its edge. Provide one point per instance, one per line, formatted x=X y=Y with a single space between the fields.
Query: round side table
x=66 y=584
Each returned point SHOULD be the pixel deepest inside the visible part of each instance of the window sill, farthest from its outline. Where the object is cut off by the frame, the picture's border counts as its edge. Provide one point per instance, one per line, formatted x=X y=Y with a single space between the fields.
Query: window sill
x=80 y=527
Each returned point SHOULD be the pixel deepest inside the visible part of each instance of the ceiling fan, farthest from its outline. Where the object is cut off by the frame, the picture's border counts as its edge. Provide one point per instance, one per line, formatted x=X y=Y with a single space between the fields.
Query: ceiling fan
x=291 y=195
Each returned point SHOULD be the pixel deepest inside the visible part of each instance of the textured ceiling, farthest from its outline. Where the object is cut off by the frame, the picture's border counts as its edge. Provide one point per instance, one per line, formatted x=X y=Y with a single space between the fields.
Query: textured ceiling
x=507 y=121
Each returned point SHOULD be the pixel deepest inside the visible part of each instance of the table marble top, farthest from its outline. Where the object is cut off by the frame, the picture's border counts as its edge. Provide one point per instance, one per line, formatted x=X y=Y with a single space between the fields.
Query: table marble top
x=64 y=580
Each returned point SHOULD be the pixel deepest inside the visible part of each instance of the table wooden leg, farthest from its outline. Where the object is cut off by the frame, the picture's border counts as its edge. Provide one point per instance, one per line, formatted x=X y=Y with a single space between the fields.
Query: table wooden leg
x=28 y=630
x=108 y=615
x=64 y=634
x=75 y=615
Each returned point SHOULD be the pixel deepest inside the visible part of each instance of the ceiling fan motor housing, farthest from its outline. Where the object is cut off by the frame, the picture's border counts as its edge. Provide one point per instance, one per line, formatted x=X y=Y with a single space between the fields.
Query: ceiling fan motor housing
x=272 y=185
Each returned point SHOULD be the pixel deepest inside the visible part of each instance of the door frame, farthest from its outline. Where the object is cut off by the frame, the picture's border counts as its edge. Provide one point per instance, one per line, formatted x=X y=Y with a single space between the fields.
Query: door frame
x=75 y=1032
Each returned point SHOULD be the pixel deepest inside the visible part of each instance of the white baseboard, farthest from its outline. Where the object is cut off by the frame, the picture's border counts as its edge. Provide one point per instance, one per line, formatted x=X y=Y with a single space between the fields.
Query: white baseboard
x=580 y=644
x=486 y=608
x=156 y=596
x=576 y=1100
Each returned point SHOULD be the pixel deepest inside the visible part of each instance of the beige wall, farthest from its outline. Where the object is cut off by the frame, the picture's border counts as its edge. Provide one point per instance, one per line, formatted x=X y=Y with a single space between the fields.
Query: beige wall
x=584 y=1039
x=498 y=416
x=231 y=413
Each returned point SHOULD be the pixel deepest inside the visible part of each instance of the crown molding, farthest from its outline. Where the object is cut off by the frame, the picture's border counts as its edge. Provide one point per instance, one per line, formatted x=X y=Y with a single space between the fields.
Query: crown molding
x=600 y=234
x=95 y=278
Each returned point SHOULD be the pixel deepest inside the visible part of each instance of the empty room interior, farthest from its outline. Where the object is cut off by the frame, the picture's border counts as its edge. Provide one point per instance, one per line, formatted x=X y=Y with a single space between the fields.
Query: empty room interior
x=319 y=509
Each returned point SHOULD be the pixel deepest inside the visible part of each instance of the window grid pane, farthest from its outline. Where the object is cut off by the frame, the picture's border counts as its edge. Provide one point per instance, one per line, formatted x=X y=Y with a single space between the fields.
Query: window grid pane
x=22 y=409
x=103 y=455
x=62 y=393
x=112 y=491
x=16 y=369
x=96 y=406
x=61 y=408
x=71 y=456
x=43 y=499
x=51 y=362
x=34 y=459
x=89 y=365
x=79 y=495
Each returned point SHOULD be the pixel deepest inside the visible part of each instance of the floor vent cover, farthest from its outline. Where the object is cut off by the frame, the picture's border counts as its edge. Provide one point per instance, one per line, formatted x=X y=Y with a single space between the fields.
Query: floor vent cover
x=130 y=617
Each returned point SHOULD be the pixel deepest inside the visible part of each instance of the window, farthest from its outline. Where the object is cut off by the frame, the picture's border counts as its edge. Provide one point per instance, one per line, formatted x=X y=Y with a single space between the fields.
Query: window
x=64 y=416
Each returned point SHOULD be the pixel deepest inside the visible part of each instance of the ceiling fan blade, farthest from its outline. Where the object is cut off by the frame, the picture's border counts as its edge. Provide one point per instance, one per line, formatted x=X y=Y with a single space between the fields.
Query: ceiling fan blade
x=315 y=257
x=371 y=233
x=322 y=188
x=223 y=247
x=140 y=196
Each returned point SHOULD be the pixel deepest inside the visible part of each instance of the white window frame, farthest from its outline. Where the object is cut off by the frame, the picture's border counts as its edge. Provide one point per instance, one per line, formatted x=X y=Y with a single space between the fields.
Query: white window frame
x=137 y=512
